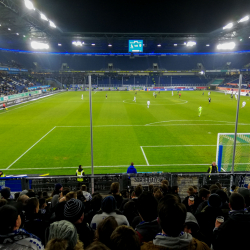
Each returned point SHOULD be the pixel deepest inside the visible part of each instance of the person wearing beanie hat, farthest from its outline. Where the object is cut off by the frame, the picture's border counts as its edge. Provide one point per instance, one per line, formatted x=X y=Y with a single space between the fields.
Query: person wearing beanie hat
x=11 y=235
x=74 y=213
x=108 y=208
x=208 y=215
x=63 y=230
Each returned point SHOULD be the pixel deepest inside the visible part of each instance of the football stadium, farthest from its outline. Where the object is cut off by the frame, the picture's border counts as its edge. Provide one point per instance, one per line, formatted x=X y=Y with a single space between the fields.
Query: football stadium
x=99 y=103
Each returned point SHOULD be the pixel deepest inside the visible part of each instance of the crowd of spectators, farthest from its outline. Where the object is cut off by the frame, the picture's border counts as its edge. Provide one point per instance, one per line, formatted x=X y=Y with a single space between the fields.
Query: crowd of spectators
x=208 y=218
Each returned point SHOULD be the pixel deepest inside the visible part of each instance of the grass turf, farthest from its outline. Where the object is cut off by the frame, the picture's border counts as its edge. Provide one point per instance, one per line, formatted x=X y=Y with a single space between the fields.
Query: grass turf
x=52 y=135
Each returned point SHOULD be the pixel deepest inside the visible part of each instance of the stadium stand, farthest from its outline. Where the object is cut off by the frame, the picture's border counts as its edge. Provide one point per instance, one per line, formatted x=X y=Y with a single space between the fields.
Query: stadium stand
x=193 y=221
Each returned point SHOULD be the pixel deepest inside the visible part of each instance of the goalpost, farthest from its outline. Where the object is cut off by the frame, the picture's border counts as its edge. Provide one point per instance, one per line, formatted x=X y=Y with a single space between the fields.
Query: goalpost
x=224 y=152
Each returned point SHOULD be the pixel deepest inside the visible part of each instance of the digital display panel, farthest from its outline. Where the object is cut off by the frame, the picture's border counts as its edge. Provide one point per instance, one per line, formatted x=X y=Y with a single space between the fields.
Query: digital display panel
x=135 y=46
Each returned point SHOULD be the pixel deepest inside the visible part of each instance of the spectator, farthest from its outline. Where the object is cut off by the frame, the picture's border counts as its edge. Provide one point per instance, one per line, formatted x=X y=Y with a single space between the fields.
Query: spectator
x=172 y=216
x=147 y=209
x=213 y=168
x=131 y=169
x=11 y=235
x=207 y=216
x=95 y=206
x=234 y=232
x=3 y=202
x=166 y=182
x=63 y=236
x=218 y=185
x=158 y=194
x=70 y=195
x=31 y=194
x=191 y=205
x=5 y=192
x=130 y=212
x=213 y=188
x=151 y=188
x=74 y=212
x=16 y=195
x=85 y=193
x=96 y=245
x=195 y=190
x=124 y=238
x=125 y=196
x=56 y=192
x=34 y=222
x=114 y=190
x=164 y=189
x=105 y=229
x=175 y=191
x=108 y=209
x=232 y=188
x=203 y=197
x=246 y=194
x=224 y=202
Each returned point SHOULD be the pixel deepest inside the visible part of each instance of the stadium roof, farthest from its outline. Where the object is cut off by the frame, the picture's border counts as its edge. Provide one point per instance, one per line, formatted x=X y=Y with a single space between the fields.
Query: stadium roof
x=167 y=24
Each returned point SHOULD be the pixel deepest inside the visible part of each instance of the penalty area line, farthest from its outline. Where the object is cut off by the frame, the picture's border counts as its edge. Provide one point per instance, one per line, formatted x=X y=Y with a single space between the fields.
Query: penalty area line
x=28 y=150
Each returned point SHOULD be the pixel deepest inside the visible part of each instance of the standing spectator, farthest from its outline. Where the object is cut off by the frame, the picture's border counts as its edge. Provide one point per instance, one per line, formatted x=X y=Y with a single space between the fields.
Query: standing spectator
x=114 y=190
x=175 y=191
x=105 y=229
x=11 y=235
x=63 y=236
x=203 y=197
x=147 y=208
x=108 y=209
x=124 y=238
x=74 y=212
x=172 y=216
x=125 y=196
x=85 y=193
x=131 y=169
x=95 y=206
x=97 y=245
x=234 y=232
x=56 y=192
x=191 y=205
x=34 y=223
x=246 y=194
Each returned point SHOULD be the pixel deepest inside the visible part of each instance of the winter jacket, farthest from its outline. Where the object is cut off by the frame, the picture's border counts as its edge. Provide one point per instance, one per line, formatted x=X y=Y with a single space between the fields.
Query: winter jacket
x=147 y=230
x=184 y=242
x=20 y=239
x=233 y=233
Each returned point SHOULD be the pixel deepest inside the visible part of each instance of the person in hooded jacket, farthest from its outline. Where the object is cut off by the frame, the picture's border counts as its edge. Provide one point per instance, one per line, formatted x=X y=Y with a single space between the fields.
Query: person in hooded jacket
x=172 y=216
x=234 y=232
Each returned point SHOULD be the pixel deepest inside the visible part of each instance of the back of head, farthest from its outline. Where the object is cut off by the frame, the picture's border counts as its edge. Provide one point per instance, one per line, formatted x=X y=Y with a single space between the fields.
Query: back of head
x=114 y=187
x=218 y=185
x=237 y=201
x=97 y=245
x=166 y=182
x=214 y=201
x=223 y=195
x=138 y=190
x=65 y=191
x=73 y=210
x=5 y=192
x=8 y=215
x=203 y=193
x=31 y=194
x=172 y=216
x=213 y=188
x=191 y=190
x=71 y=195
x=31 y=206
x=84 y=188
x=57 y=244
x=124 y=238
x=105 y=229
x=96 y=202
x=61 y=231
x=109 y=204
x=147 y=206
x=23 y=198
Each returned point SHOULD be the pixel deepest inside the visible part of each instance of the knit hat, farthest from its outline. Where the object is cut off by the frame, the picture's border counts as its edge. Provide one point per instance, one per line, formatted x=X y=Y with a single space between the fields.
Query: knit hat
x=191 y=219
x=5 y=193
x=64 y=230
x=23 y=192
x=214 y=201
x=8 y=215
x=58 y=186
x=73 y=210
x=108 y=204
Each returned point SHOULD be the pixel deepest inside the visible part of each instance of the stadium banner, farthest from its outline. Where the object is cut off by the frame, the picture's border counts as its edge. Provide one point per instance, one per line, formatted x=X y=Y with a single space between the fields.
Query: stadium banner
x=39 y=87
x=145 y=181
x=167 y=89
x=11 y=97
x=244 y=92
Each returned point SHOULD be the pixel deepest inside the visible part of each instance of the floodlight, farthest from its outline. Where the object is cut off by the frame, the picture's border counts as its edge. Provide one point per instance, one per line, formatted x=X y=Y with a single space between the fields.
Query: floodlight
x=17 y=34
x=59 y=44
x=0 y=24
x=190 y=44
x=208 y=45
x=240 y=39
x=24 y=36
x=226 y=46
x=244 y=19
x=52 y=24
x=185 y=43
x=77 y=43
x=29 y=5
x=9 y=28
x=228 y=26
x=44 y=17
x=37 y=45
x=159 y=45
x=110 y=45
x=93 y=44
x=175 y=44
x=202 y=72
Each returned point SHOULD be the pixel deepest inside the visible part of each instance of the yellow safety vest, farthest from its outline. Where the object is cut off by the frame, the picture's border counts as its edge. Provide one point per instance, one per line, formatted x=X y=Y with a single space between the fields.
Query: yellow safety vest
x=79 y=174
x=2 y=175
x=210 y=171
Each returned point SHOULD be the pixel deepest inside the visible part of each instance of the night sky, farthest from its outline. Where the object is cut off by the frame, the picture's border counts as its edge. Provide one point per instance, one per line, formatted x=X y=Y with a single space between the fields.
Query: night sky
x=127 y=16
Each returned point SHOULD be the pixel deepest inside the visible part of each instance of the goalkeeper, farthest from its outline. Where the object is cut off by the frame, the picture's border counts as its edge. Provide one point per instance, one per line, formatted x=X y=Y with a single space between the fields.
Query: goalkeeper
x=199 y=110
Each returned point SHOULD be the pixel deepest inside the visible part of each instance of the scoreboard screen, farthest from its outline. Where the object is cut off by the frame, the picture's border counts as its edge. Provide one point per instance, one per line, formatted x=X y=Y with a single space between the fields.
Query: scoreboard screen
x=135 y=46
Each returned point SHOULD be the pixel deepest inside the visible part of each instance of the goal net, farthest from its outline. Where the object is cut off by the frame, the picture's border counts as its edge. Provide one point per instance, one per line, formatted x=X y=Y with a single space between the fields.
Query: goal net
x=224 y=153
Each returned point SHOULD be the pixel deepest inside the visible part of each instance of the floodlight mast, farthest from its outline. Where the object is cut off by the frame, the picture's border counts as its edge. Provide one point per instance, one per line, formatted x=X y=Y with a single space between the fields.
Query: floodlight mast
x=29 y=5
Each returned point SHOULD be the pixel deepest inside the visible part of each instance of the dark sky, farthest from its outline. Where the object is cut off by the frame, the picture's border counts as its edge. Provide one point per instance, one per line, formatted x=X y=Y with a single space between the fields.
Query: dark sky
x=167 y=16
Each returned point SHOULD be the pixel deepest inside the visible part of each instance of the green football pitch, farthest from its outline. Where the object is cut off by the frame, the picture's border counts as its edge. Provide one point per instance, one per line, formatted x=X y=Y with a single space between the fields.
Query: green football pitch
x=52 y=135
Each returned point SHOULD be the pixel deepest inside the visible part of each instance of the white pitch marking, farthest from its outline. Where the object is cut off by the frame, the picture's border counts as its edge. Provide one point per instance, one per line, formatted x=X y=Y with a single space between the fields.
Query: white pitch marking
x=166 y=146
x=144 y=156
x=159 y=104
x=223 y=169
x=29 y=149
